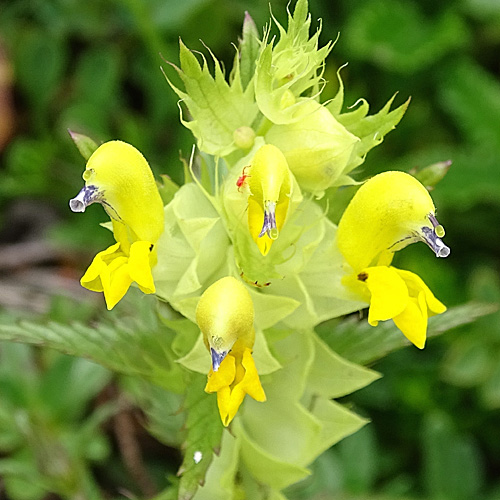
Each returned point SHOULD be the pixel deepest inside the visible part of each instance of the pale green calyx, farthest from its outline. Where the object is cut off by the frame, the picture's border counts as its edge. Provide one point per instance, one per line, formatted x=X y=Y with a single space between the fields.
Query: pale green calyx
x=316 y=146
x=244 y=137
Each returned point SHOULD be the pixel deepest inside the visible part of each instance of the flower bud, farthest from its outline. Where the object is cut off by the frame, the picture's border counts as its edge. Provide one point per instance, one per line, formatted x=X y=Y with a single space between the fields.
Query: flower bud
x=244 y=137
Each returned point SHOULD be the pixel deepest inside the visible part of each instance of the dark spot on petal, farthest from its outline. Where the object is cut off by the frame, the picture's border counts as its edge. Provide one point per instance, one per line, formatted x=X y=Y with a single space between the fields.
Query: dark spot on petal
x=362 y=276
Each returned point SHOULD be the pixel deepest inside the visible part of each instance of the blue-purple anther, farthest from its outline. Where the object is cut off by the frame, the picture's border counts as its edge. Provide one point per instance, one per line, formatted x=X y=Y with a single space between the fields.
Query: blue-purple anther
x=432 y=237
x=269 y=226
x=217 y=358
x=86 y=196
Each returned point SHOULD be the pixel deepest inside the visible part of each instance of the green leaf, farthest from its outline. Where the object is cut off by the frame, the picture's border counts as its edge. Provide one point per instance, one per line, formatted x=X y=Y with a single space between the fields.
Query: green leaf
x=472 y=97
x=132 y=348
x=204 y=434
x=57 y=388
x=28 y=165
x=469 y=362
x=490 y=390
x=163 y=409
x=395 y=34
x=216 y=107
x=40 y=61
x=488 y=10
x=220 y=481
x=452 y=461
x=85 y=144
x=429 y=176
x=167 y=188
x=248 y=50
x=97 y=75
x=22 y=481
x=360 y=460
x=361 y=343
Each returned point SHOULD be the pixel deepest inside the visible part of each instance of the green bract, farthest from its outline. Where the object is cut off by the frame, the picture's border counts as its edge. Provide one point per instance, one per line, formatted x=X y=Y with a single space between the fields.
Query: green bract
x=217 y=108
x=317 y=147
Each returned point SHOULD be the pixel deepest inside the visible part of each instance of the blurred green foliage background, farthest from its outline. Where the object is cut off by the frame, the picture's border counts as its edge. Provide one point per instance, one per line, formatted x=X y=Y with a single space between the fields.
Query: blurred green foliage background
x=94 y=67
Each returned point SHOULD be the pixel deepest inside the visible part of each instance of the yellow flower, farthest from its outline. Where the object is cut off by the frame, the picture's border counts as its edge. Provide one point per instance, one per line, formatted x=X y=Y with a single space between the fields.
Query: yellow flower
x=225 y=316
x=119 y=177
x=270 y=184
x=390 y=211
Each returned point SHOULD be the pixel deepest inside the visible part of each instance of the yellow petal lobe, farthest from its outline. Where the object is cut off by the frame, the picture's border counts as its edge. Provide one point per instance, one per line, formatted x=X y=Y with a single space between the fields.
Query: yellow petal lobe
x=403 y=297
x=236 y=377
x=139 y=265
x=389 y=293
x=413 y=320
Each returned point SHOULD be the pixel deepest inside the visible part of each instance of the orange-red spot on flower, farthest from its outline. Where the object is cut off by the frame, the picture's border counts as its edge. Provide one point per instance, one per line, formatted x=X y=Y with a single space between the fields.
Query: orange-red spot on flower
x=242 y=178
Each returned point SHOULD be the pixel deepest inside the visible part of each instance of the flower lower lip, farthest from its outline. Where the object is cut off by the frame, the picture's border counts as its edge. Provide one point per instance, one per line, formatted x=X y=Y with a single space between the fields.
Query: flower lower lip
x=434 y=242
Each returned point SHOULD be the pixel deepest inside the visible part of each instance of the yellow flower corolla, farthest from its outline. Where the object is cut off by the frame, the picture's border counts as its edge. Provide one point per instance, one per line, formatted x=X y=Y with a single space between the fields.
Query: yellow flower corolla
x=390 y=211
x=119 y=177
x=270 y=184
x=225 y=316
